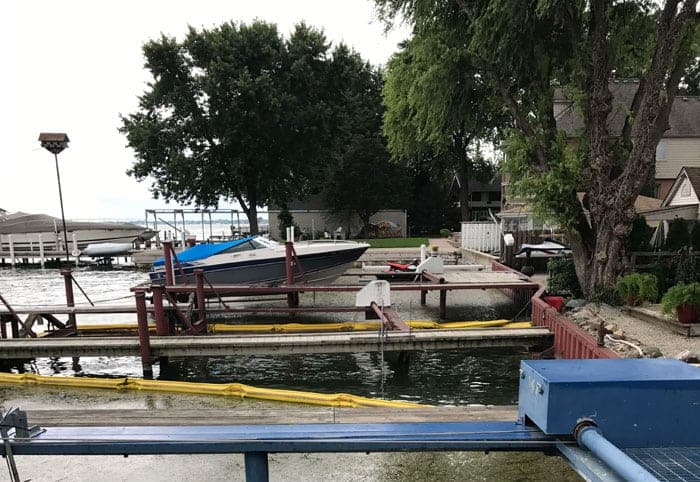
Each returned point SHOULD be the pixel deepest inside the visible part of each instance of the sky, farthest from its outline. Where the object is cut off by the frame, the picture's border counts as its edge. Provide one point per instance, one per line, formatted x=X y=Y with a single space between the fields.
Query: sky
x=74 y=66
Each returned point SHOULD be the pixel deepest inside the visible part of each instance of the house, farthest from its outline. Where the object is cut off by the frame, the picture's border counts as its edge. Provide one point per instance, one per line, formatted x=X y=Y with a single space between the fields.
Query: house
x=313 y=219
x=484 y=198
x=679 y=147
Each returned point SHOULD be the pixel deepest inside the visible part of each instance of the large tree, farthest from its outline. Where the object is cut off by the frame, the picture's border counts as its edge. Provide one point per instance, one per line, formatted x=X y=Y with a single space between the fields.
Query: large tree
x=360 y=179
x=438 y=105
x=234 y=112
x=524 y=50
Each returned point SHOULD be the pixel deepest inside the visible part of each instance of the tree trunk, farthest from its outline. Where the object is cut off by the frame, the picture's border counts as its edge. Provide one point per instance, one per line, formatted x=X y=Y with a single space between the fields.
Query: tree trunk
x=251 y=212
x=462 y=173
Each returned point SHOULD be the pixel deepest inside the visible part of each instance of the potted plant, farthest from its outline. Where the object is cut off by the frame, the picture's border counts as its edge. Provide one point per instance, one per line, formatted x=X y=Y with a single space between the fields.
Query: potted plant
x=637 y=288
x=685 y=300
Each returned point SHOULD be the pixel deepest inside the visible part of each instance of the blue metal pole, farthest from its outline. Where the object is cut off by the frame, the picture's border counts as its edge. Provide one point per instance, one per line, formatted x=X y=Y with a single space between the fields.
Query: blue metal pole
x=256 y=469
x=592 y=439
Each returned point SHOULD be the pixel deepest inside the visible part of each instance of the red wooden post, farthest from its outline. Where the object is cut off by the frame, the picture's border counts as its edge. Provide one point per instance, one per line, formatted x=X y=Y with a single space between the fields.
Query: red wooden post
x=162 y=325
x=167 y=253
x=292 y=298
x=70 y=300
x=443 y=304
x=144 y=339
x=199 y=279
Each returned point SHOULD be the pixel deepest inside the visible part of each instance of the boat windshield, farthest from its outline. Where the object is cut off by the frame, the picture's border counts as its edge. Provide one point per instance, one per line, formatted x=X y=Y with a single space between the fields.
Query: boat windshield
x=251 y=244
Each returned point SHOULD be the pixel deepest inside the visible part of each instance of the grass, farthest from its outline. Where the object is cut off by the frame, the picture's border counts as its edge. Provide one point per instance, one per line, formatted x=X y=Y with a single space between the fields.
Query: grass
x=395 y=242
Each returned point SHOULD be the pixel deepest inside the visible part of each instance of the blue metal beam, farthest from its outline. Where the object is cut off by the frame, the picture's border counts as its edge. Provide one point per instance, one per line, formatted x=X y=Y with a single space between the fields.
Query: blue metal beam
x=387 y=437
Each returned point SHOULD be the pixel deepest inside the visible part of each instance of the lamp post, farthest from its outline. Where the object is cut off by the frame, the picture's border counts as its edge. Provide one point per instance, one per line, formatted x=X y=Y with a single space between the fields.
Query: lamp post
x=55 y=143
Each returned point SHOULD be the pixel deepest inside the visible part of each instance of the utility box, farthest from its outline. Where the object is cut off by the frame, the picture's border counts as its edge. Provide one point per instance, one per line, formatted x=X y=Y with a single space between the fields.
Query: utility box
x=634 y=402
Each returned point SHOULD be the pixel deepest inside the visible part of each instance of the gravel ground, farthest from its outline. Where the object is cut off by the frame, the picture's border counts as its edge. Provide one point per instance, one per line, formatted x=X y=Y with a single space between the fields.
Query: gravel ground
x=654 y=339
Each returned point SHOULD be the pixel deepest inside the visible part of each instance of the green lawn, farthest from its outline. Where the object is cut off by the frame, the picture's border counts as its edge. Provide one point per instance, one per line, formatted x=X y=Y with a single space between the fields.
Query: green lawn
x=395 y=242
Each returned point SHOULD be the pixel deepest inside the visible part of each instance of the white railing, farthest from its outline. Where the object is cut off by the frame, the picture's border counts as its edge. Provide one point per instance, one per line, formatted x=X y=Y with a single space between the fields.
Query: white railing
x=481 y=236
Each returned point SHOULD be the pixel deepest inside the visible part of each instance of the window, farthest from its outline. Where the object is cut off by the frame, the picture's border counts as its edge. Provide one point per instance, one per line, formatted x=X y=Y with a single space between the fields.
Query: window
x=661 y=150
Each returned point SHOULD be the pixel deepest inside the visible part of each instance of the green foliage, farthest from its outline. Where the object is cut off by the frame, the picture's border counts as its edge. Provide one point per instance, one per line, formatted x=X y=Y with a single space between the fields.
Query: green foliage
x=678 y=235
x=695 y=237
x=682 y=294
x=286 y=220
x=551 y=195
x=445 y=233
x=562 y=276
x=607 y=295
x=238 y=112
x=687 y=267
x=640 y=235
x=395 y=242
x=636 y=288
x=521 y=52
x=437 y=107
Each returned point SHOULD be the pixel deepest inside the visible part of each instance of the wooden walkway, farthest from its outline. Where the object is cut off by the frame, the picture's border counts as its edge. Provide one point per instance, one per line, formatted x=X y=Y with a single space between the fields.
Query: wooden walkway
x=224 y=345
x=248 y=416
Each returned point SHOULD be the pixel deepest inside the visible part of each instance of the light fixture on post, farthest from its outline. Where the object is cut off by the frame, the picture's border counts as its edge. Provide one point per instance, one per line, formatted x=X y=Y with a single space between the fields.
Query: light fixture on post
x=55 y=143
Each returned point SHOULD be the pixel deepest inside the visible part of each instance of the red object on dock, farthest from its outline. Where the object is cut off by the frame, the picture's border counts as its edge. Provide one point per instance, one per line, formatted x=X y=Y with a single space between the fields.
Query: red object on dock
x=556 y=302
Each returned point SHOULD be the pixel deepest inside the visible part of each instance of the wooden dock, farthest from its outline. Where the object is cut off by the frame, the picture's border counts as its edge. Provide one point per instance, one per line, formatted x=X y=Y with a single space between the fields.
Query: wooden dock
x=257 y=416
x=225 y=345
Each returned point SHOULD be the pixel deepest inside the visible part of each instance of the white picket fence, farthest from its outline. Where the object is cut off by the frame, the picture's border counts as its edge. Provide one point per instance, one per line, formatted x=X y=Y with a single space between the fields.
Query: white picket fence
x=481 y=236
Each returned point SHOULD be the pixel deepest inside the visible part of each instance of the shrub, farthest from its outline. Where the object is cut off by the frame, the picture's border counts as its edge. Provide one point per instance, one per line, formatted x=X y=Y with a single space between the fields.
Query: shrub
x=678 y=235
x=682 y=294
x=562 y=276
x=637 y=288
x=687 y=267
x=640 y=235
x=695 y=236
x=445 y=233
x=286 y=220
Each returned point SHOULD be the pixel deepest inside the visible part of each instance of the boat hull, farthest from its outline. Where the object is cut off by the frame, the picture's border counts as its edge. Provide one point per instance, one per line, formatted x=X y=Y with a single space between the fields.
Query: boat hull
x=317 y=267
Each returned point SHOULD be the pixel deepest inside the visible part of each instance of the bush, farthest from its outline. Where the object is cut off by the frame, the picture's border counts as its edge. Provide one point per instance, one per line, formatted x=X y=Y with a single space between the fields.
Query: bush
x=640 y=235
x=695 y=236
x=562 y=276
x=607 y=295
x=286 y=220
x=687 y=267
x=637 y=288
x=678 y=235
x=445 y=233
x=682 y=294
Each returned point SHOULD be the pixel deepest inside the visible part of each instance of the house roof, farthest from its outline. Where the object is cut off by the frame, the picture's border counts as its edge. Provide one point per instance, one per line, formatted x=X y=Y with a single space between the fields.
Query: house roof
x=684 y=119
x=641 y=204
x=646 y=203
x=693 y=175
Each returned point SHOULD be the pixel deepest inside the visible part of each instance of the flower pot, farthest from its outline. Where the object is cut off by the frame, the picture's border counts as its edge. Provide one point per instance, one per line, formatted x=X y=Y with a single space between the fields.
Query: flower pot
x=688 y=314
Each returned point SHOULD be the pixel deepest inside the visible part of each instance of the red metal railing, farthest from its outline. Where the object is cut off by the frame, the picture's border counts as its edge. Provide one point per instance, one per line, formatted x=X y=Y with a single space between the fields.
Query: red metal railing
x=570 y=340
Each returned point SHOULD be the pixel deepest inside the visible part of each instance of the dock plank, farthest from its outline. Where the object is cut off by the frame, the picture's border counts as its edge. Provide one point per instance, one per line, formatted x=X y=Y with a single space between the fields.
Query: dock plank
x=286 y=344
x=257 y=416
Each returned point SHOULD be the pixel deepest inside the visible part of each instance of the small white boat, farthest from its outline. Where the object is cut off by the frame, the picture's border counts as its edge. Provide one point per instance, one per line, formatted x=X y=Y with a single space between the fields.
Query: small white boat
x=258 y=261
x=27 y=231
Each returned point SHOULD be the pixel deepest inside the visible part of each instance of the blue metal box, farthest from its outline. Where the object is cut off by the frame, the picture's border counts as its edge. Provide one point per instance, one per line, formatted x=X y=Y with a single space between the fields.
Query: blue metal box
x=634 y=402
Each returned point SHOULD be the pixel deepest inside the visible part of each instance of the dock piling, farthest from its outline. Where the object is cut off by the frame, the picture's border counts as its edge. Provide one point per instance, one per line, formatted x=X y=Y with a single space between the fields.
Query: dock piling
x=70 y=300
x=162 y=325
x=144 y=338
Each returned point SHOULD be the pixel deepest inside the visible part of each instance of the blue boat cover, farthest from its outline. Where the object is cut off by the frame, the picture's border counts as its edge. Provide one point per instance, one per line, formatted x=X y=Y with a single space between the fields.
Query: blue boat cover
x=204 y=250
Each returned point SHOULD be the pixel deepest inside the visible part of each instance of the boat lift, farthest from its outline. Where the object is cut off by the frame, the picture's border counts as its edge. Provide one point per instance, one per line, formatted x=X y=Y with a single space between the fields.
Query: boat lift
x=613 y=420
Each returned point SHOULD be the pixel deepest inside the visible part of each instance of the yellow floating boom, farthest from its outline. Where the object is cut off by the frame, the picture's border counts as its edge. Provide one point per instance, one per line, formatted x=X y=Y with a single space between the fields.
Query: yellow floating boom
x=226 y=389
x=317 y=327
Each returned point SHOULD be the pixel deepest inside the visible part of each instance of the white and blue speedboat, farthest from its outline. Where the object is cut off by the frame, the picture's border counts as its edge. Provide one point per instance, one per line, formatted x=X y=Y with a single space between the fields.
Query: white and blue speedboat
x=258 y=261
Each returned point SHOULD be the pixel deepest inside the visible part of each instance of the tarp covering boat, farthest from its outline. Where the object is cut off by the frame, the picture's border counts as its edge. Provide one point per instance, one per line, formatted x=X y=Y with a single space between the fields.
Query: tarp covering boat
x=204 y=250
x=545 y=249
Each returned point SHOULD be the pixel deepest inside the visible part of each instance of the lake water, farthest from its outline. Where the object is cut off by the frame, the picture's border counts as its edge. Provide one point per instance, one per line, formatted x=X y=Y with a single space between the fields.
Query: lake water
x=451 y=377
x=442 y=377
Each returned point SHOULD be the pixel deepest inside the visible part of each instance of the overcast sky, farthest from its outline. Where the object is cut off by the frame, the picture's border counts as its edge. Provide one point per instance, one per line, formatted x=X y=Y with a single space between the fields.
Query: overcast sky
x=74 y=66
